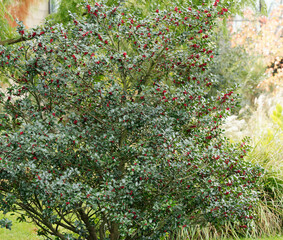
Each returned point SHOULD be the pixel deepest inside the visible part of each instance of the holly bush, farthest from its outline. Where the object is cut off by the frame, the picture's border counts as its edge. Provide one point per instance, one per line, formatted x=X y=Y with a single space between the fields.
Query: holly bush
x=108 y=132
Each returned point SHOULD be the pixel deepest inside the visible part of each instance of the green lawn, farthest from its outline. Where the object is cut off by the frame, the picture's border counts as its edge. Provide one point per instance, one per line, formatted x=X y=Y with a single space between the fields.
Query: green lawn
x=20 y=231
x=265 y=238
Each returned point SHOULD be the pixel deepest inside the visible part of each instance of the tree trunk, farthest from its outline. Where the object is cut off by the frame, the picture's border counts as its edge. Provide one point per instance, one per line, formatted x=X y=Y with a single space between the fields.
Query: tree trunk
x=114 y=233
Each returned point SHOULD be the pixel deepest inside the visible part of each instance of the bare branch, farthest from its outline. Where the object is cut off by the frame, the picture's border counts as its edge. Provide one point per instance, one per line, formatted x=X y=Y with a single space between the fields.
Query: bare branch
x=13 y=41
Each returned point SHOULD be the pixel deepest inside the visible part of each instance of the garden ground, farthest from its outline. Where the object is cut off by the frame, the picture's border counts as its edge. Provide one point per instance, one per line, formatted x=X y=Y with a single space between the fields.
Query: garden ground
x=27 y=231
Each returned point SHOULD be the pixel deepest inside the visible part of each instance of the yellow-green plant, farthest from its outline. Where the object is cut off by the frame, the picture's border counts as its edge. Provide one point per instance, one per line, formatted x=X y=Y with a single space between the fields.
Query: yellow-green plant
x=277 y=116
x=6 y=30
x=268 y=152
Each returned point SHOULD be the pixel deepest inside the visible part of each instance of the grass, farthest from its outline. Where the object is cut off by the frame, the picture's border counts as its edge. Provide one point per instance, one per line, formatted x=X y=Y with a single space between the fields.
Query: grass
x=268 y=152
x=265 y=238
x=20 y=230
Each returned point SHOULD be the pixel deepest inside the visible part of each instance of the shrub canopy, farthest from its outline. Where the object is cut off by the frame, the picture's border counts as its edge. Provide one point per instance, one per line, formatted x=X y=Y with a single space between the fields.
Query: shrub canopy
x=107 y=130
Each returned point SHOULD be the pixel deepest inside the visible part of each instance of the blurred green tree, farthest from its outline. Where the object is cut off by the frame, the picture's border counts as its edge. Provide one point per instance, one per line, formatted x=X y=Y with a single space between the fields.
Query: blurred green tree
x=234 y=67
x=6 y=30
